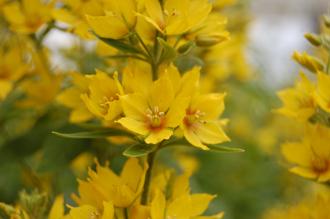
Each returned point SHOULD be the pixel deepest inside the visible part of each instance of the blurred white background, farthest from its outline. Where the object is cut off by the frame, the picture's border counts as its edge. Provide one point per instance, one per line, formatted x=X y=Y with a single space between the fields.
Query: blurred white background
x=277 y=30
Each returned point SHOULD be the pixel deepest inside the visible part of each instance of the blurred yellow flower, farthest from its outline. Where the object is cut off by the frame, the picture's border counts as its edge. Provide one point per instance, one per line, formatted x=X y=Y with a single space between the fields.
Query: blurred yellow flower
x=180 y=203
x=298 y=102
x=311 y=208
x=102 y=96
x=311 y=156
x=71 y=98
x=118 y=20
x=322 y=92
x=12 y=68
x=103 y=185
x=73 y=13
x=176 y=17
x=27 y=16
x=40 y=91
x=232 y=51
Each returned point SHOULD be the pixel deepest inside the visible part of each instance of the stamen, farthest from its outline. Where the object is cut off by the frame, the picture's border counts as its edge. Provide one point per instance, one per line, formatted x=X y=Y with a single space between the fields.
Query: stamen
x=155 y=118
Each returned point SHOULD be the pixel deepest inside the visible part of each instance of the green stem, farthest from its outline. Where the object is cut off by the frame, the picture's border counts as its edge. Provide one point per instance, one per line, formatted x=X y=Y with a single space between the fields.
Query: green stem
x=45 y=33
x=146 y=186
x=143 y=45
x=154 y=68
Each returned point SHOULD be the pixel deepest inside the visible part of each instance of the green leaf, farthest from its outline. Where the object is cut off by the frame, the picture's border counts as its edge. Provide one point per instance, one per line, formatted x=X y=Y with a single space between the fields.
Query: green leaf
x=168 y=52
x=225 y=149
x=102 y=133
x=119 y=45
x=139 y=150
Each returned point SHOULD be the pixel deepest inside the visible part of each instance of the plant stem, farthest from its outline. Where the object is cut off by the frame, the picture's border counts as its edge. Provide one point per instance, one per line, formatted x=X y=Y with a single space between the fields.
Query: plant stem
x=144 y=46
x=154 y=69
x=146 y=186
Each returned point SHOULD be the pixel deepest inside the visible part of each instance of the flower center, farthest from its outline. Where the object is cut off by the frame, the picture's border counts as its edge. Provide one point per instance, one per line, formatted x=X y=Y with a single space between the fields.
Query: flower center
x=193 y=117
x=104 y=103
x=320 y=165
x=155 y=118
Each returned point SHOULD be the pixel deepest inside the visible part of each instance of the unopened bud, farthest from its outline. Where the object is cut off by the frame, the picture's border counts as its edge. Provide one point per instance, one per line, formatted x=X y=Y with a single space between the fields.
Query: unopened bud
x=314 y=39
x=34 y=204
x=186 y=48
x=326 y=19
x=210 y=40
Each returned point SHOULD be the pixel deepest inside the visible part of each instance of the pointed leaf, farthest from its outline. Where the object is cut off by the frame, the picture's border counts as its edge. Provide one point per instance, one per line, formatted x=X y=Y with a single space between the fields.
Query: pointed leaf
x=102 y=133
x=139 y=150
x=225 y=149
x=119 y=45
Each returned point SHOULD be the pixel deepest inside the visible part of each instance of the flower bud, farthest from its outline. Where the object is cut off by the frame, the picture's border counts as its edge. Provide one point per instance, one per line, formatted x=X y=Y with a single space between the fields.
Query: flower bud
x=210 y=40
x=34 y=204
x=314 y=39
x=326 y=19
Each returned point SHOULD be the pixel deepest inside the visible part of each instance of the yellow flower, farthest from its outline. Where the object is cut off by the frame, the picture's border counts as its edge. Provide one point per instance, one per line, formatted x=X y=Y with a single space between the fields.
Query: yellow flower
x=176 y=17
x=28 y=16
x=311 y=156
x=70 y=98
x=12 y=68
x=153 y=114
x=102 y=97
x=57 y=209
x=105 y=186
x=307 y=61
x=181 y=204
x=90 y=212
x=201 y=123
x=118 y=20
x=298 y=102
x=73 y=13
x=322 y=92
x=231 y=51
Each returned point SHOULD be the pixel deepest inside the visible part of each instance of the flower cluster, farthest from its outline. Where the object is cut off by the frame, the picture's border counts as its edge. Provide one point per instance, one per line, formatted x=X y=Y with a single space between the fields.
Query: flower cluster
x=154 y=110
x=308 y=103
x=107 y=195
x=144 y=94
